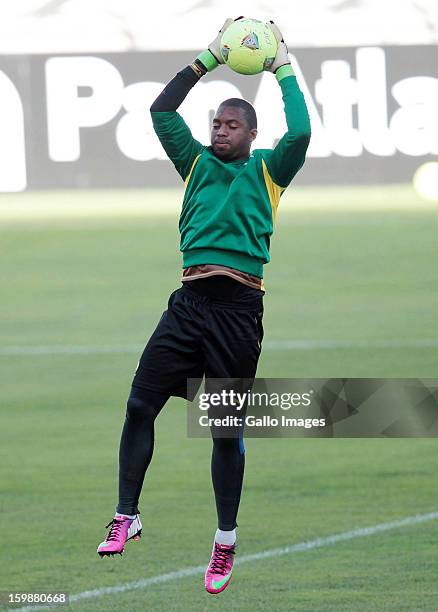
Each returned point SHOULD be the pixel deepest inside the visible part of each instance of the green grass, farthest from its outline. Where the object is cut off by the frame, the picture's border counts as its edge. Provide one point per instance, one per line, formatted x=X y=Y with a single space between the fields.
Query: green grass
x=338 y=272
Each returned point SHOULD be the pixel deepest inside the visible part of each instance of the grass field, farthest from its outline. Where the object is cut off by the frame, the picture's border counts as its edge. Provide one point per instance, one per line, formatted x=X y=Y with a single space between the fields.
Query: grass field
x=354 y=276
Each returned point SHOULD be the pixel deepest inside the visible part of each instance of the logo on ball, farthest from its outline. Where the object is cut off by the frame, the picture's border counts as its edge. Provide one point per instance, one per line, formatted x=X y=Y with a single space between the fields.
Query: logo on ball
x=251 y=41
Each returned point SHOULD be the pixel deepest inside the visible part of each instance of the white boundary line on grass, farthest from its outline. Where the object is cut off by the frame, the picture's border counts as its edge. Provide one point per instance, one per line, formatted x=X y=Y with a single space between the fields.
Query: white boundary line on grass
x=269 y=345
x=267 y=554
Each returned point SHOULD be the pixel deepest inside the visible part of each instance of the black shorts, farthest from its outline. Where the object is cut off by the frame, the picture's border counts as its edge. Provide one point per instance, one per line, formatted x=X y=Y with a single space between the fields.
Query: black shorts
x=212 y=327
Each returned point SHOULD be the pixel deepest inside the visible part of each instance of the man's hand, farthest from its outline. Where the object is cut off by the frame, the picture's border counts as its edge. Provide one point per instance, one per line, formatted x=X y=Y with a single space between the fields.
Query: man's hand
x=282 y=56
x=212 y=56
x=215 y=46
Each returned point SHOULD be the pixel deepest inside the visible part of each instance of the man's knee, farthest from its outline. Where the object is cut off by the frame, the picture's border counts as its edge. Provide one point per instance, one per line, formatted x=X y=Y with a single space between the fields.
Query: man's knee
x=144 y=405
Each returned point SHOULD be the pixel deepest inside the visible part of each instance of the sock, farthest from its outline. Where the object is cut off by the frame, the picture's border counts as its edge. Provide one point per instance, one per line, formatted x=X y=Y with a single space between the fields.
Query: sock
x=225 y=537
x=130 y=516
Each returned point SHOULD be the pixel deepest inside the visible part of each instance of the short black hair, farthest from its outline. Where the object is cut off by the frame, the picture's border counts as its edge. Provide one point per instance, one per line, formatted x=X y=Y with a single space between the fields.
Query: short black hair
x=248 y=110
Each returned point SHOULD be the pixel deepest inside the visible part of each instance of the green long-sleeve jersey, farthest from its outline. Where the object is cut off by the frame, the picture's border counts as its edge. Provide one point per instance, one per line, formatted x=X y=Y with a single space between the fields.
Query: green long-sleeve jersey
x=228 y=211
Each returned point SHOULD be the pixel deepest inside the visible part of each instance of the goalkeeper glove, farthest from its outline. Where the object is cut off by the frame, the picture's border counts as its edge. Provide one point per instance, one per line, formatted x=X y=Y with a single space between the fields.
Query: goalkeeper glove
x=212 y=56
x=281 y=65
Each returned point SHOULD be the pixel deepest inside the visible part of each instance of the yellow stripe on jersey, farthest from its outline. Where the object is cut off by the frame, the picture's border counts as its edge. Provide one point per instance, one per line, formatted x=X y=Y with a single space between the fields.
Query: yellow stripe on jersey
x=274 y=190
x=195 y=161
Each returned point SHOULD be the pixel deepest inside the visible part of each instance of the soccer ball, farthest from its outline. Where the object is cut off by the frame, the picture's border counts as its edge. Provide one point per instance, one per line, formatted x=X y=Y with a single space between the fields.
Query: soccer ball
x=248 y=46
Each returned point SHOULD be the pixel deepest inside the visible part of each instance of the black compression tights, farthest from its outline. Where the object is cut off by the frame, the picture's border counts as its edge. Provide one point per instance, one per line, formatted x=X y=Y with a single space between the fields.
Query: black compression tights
x=137 y=446
x=227 y=466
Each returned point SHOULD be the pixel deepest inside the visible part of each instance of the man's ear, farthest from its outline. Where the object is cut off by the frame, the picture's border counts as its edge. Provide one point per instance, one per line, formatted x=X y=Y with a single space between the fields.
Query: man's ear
x=253 y=134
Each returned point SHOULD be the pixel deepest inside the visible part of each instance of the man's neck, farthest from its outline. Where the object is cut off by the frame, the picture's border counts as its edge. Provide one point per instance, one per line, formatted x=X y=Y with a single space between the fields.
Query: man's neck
x=240 y=158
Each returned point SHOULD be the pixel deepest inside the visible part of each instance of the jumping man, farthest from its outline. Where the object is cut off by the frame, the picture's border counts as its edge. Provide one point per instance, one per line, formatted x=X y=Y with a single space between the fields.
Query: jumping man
x=213 y=324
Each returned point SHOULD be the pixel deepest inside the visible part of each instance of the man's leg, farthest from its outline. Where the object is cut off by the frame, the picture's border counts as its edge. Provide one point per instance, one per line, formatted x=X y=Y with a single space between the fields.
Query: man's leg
x=135 y=454
x=137 y=445
x=238 y=368
x=227 y=471
x=170 y=357
x=232 y=347
x=227 y=467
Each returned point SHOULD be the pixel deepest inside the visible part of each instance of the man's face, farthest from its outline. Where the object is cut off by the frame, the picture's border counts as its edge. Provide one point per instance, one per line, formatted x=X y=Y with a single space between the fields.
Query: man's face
x=231 y=137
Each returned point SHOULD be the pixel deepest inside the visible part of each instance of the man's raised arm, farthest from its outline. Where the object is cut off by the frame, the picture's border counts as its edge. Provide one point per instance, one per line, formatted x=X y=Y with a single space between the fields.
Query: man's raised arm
x=173 y=132
x=289 y=154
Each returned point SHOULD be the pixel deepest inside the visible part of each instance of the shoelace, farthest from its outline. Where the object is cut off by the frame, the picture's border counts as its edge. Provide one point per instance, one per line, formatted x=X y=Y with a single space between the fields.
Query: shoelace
x=220 y=558
x=115 y=529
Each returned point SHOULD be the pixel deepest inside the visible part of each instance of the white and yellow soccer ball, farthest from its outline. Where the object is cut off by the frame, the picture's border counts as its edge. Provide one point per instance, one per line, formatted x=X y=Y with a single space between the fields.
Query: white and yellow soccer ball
x=248 y=46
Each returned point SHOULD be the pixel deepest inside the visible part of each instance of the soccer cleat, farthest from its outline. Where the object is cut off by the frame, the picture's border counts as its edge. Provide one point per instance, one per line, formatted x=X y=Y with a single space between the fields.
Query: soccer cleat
x=122 y=530
x=220 y=568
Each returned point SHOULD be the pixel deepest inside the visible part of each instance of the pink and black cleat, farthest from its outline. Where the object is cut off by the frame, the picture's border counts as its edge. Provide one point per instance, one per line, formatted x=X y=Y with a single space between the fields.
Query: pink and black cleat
x=122 y=530
x=220 y=568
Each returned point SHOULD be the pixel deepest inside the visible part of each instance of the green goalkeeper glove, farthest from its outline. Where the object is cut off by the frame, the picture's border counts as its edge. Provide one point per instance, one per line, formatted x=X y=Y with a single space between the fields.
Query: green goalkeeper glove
x=281 y=65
